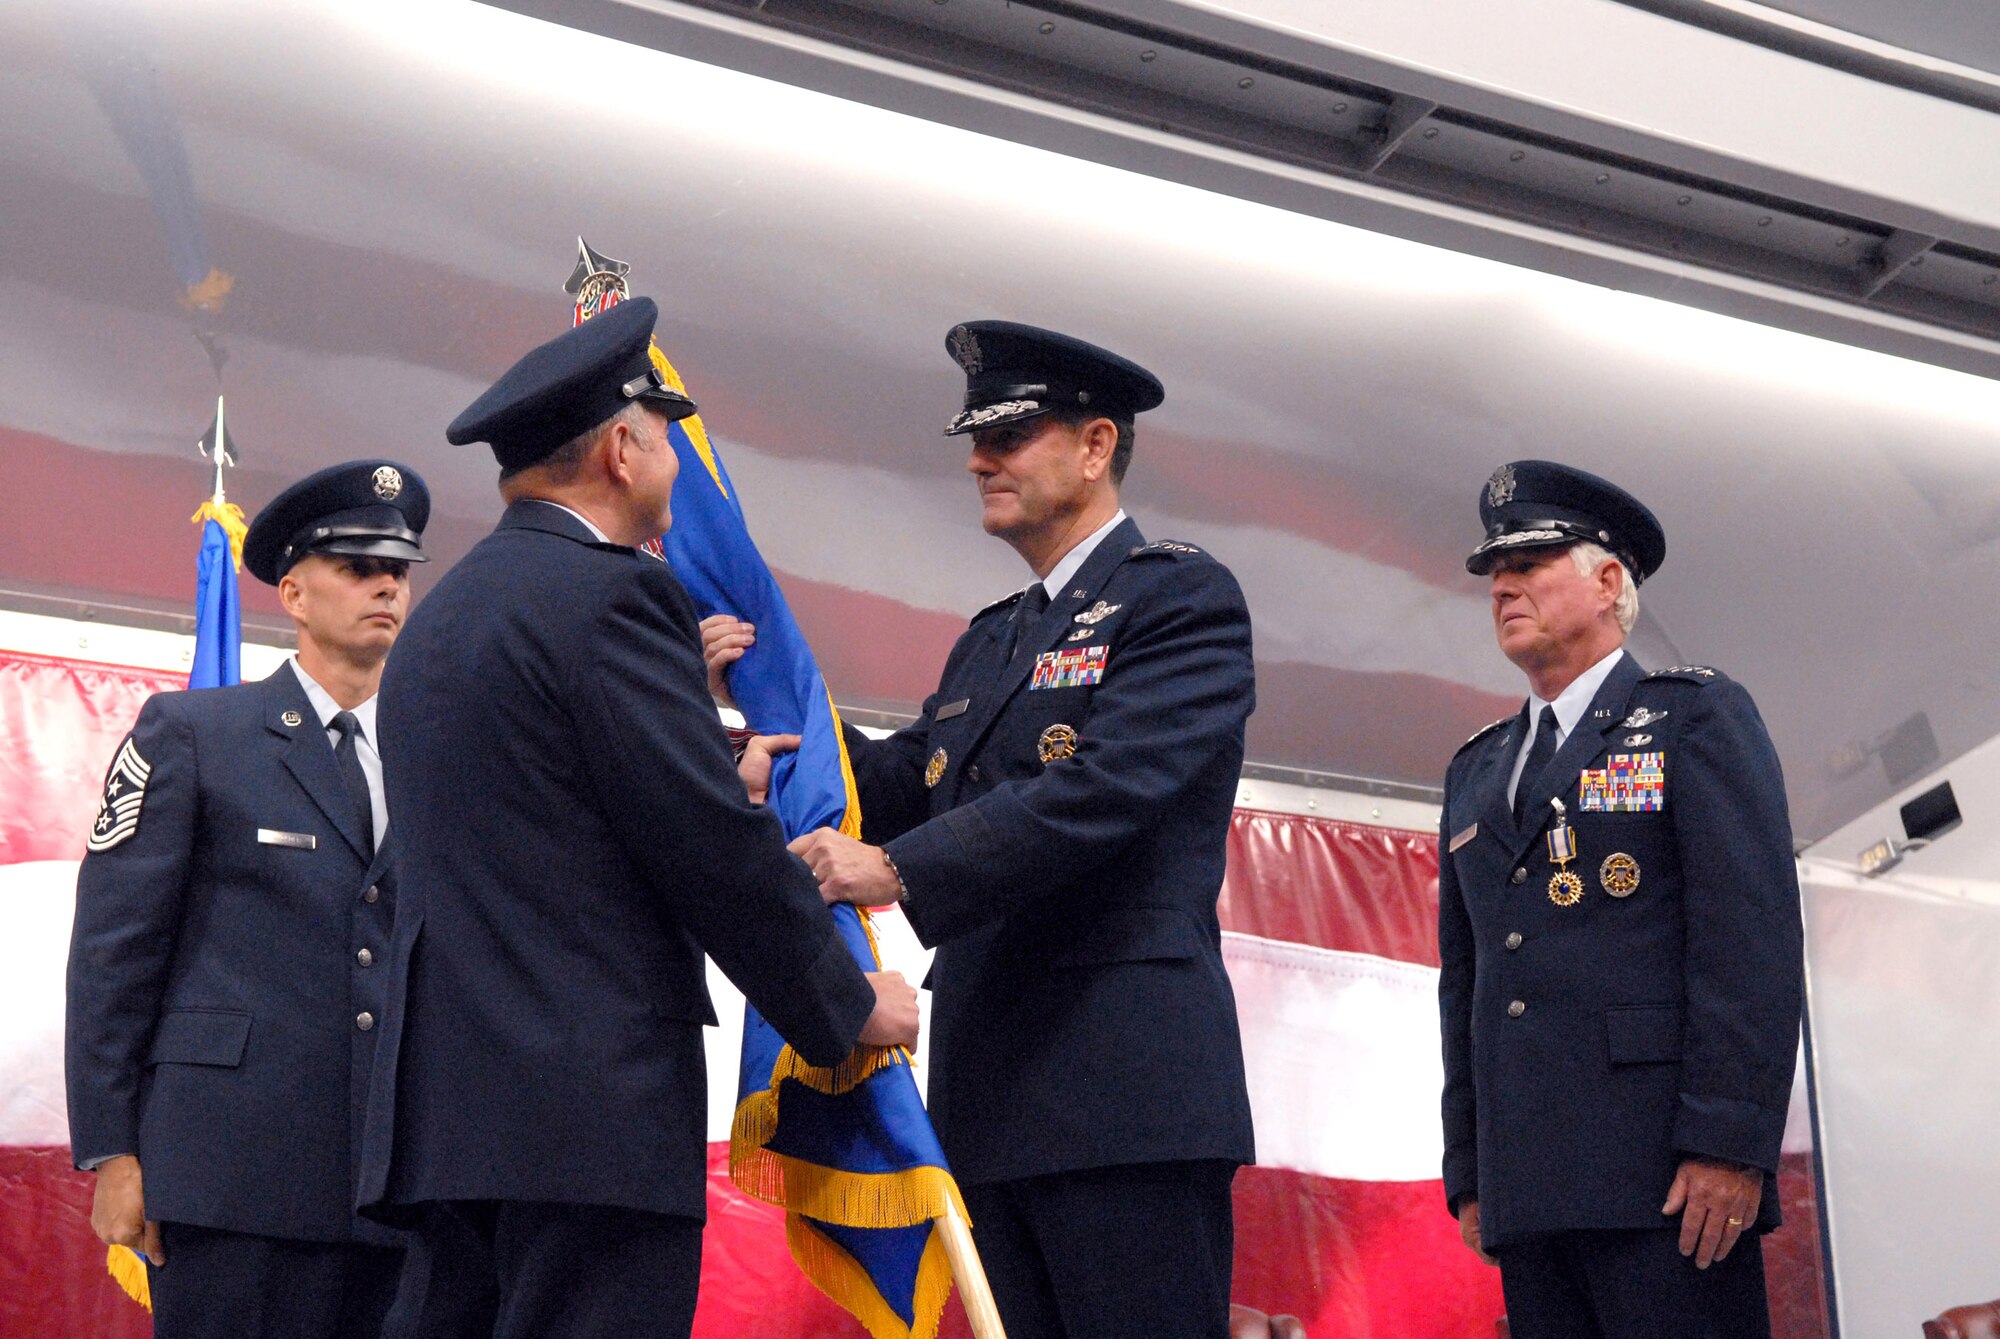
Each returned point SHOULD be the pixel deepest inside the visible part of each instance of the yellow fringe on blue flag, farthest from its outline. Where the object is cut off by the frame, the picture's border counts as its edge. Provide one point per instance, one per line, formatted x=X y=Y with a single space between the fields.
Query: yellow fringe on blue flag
x=697 y=434
x=230 y=517
x=838 y=1275
x=130 y=1273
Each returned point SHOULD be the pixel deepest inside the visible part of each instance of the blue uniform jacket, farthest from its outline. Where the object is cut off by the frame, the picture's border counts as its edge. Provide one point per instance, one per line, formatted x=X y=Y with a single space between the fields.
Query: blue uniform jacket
x=1082 y=1017
x=572 y=836
x=1588 y=1049
x=216 y=970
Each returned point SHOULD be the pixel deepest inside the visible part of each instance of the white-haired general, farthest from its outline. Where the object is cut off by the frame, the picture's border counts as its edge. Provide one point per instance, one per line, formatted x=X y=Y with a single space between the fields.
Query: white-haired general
x=1618 y=925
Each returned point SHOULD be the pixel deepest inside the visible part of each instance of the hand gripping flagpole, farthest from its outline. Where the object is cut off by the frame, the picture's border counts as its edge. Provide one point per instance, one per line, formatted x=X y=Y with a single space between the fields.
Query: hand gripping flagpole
x=872 y=1213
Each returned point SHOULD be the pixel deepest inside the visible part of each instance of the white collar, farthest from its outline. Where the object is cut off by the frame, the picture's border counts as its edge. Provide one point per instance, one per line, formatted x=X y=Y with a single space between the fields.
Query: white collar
x=326 y=708
x=1072 y=561
x=602 y=538
x=1573 y=701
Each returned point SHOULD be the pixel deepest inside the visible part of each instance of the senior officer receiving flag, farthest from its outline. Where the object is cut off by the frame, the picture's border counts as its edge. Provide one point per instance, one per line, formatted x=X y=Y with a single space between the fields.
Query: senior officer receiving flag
x=848 y=1151
x=574 y=836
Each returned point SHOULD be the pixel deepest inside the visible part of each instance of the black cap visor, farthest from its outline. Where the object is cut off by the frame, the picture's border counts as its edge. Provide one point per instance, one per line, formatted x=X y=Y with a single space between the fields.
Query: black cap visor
x=353 y=541
x=651 y=386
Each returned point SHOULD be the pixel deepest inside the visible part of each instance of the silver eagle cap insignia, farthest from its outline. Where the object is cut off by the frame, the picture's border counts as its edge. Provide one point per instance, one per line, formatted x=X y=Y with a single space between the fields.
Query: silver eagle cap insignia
x=1500 y=488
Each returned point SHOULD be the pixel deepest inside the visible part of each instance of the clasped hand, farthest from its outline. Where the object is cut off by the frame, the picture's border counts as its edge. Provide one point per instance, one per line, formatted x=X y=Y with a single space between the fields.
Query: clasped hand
x=848 y=870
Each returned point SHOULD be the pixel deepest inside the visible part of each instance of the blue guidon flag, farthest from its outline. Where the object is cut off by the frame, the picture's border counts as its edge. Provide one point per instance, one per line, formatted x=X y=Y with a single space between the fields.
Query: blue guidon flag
x=848 y=1152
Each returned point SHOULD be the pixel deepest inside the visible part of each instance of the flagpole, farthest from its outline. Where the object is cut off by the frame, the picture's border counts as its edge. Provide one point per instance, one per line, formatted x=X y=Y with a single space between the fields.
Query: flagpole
x=973 y=1289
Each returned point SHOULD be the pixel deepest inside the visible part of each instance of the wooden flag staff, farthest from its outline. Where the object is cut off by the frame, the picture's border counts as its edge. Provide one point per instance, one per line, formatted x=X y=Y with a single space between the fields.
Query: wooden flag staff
x=973 y=1289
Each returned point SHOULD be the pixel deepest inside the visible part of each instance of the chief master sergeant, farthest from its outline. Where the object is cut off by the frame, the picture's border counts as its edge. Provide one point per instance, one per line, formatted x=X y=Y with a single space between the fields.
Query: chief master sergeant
x=223 y=977
x=1618 y=924
x=1054 y=823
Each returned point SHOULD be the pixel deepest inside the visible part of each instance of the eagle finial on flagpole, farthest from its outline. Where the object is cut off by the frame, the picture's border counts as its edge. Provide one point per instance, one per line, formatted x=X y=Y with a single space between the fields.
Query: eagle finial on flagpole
x=597 y=283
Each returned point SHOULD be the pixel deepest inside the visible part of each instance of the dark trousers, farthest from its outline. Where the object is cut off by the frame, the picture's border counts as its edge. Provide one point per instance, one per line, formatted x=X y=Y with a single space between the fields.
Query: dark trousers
x=511 y=1269
x=1142 y=1250
x=1631 y=1285
x=235 y=1285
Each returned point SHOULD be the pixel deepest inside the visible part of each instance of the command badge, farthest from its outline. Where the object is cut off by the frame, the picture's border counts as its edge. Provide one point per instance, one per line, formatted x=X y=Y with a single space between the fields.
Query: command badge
x=934 y=770
x=124 y=795
x=1619 y=874
x=1057 y=742
x=388 y=483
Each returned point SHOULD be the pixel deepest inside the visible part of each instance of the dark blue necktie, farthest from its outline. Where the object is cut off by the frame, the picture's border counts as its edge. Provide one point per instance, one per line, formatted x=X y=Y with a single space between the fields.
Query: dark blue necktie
x=345 y=724
x=1539 y=755
x=1028 y=611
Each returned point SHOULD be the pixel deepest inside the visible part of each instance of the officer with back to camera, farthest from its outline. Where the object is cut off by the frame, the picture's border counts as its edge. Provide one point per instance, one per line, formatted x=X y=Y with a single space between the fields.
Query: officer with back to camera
x=575 y=835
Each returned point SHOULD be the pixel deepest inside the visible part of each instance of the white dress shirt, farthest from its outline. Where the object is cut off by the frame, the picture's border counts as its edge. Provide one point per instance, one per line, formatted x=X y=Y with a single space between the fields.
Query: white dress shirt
x=1570 y=704
x=364 y=743
x=1072 y=561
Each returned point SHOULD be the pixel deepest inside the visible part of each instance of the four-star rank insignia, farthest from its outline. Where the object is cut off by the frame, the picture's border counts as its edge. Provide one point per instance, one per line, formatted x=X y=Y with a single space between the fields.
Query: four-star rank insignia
x=124 y=795
x=1057 y=742
x=934 y=769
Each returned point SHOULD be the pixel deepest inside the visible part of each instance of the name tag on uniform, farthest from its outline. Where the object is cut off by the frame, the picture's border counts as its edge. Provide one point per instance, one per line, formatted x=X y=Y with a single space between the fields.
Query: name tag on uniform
x=1464 y=837
x=951 y=709
x=303 y=841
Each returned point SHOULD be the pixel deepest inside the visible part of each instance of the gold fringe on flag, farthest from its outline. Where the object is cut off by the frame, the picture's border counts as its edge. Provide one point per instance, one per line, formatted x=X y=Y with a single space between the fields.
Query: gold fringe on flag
x=697 y=434
x=230 y=517
x=129 y=1271
x=840 y=1276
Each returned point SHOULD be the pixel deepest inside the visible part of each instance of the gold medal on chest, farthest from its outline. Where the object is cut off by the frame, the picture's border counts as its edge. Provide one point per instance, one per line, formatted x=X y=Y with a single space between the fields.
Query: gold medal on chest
x=934 y=770
x=1565 y=888
x=1057 y=742
x=1619 y=874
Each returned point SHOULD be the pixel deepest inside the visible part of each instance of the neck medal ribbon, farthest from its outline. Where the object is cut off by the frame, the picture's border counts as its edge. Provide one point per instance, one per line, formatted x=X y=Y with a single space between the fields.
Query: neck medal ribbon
x=1565 y=888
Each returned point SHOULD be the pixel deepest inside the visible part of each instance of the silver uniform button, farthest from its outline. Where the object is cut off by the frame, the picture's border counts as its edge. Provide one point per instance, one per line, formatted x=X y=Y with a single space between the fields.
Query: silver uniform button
x=374 y=894
x=1514 y=1010
x=367 y=959
x=1513 y=940
x=364 y=1020
x=1521 y=874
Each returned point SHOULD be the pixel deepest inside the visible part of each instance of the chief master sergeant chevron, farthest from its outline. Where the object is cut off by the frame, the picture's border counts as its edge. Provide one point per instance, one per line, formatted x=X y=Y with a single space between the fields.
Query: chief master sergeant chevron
x=1058 y=815
x=1618 y=925
x=574 y=836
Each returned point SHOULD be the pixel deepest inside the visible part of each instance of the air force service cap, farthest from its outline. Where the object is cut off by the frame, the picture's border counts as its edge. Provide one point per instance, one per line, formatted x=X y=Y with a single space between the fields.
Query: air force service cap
x=362 y=509
x=1533 y=504
x=562 y=389
x=1015 y=372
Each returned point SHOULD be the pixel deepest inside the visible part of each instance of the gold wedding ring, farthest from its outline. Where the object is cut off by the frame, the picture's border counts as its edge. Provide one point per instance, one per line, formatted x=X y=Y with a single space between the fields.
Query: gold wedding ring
x=1736 y=1222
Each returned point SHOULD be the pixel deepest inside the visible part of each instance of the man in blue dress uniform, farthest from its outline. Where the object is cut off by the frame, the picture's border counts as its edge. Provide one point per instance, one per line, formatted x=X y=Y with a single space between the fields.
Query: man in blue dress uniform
x=1054 y=824
x=574 y=835
x=1618 y=922
x=230 y=912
